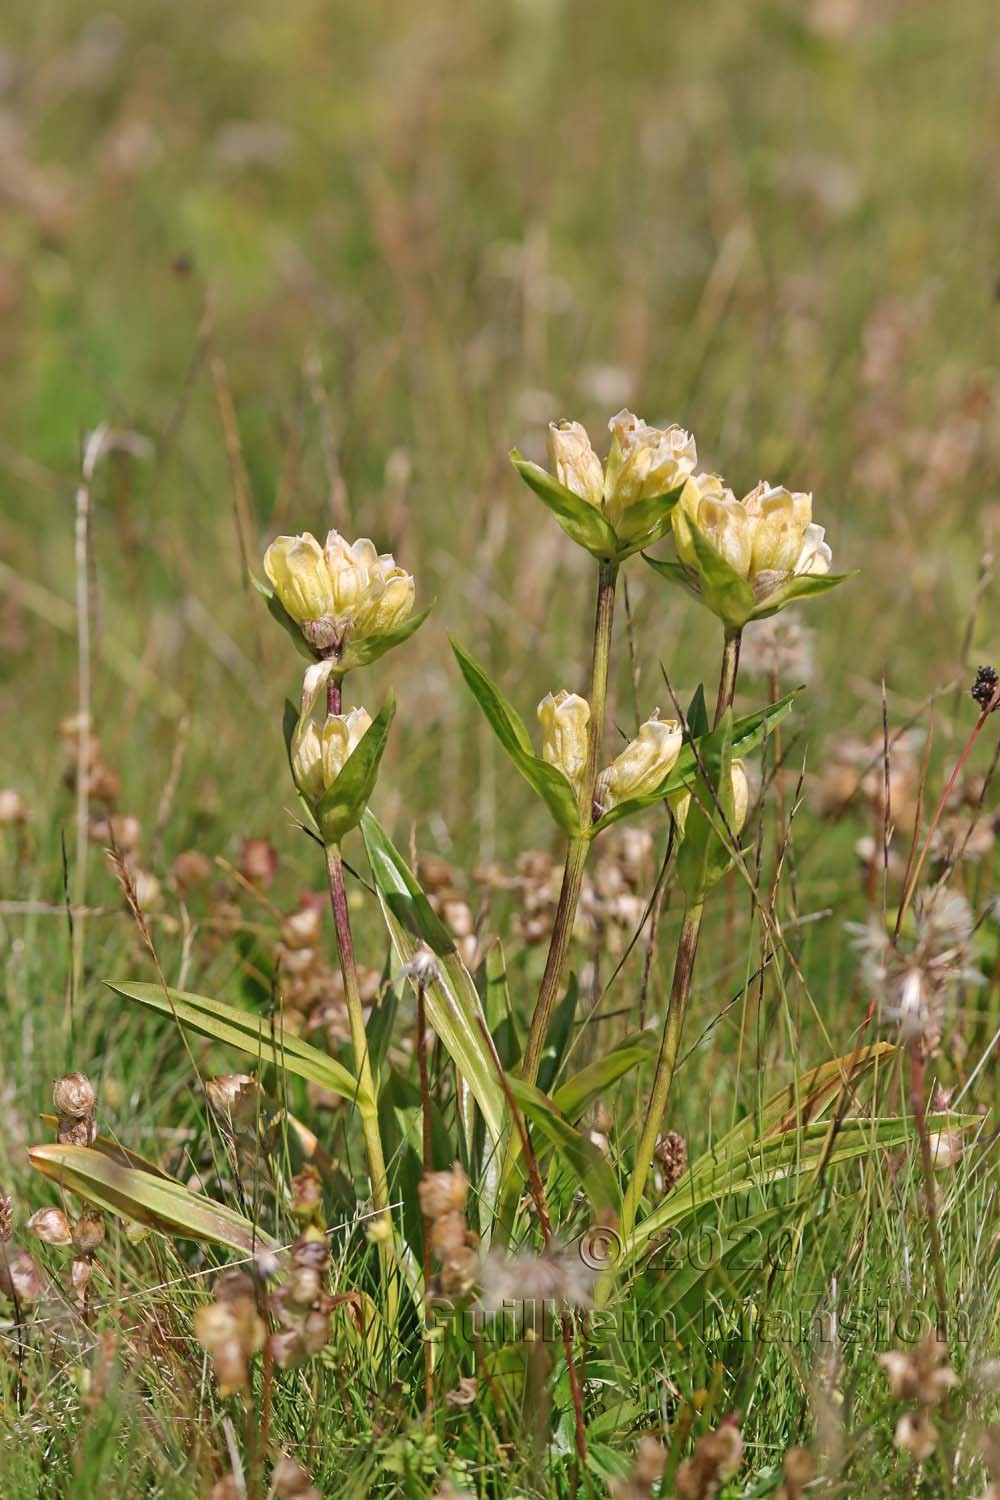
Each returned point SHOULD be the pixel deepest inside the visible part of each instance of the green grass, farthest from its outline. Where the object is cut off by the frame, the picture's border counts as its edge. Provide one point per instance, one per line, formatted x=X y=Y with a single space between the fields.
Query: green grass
x=774 y=223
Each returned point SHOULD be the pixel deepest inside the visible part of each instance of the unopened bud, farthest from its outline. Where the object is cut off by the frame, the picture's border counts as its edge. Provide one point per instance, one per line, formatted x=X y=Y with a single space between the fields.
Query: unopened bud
x=576 y=464
x=564 y=718
x=644 y=763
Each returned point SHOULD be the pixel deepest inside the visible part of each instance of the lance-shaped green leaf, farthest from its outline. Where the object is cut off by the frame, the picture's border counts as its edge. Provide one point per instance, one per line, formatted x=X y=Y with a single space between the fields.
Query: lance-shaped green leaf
x=341 y=805
x=453 y=1006
x=645 y=522
x=116 y=1151
x=368 y=648
x=573 y=1097
x=748 y=733
x=805 y=586
x=548 y=781
x=157 y=1202
x=585 y=523
x=779 y=1160
x=675 y=572
x=706 y=851
x=256 y=1036
x=585 y=1161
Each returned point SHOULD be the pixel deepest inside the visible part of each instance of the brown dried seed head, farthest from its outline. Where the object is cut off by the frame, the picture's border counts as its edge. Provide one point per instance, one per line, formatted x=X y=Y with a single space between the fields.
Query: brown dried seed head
x=13 y=808
x=448 y=1234
x=79 y=1277
x=20 y=1279
x=228 y=1489
x=798 y=1470
x=307 y=1194
x=235 y=1099
x=302 y=928
x=73 y=1095
x=51 y=1226
x=303 y=1286
x=312 y=1248
x=287 y=1349
x=672 y=1154
x=6 y=1217
x=315 y=1331
x=650 y=1460
x=88 y=1232
x=444 y=1192
x=73 y=1132
x=289 y=1481
x=190 y=870
x=459 y=1273
x=259 y=862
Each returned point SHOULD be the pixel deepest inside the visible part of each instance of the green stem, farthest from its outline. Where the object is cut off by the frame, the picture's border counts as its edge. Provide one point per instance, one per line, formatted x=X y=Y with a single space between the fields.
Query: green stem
x=727 y=676
x=673 y=1026
x=576 y=854
x=359 y=1038
x=680 y=989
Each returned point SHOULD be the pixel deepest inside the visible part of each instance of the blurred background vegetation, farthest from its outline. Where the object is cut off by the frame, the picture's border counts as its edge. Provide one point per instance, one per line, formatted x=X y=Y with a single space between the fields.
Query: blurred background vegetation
x=324 y=264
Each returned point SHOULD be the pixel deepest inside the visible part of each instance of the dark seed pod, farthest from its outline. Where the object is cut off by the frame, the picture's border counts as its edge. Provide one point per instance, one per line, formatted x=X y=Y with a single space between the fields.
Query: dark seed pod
x=985 y=686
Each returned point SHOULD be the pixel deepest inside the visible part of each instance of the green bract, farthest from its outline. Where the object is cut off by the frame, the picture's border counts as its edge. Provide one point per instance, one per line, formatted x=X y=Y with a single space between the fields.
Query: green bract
x=642 y=524
x=722 y=590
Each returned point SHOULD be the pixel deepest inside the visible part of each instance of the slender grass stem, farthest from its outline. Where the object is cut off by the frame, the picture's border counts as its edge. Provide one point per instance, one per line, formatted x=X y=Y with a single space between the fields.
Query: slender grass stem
x=918 y=1103
x=576 y=854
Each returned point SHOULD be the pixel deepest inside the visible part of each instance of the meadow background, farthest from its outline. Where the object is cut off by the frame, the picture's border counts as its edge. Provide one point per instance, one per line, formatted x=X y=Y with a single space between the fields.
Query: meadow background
x=324 y=265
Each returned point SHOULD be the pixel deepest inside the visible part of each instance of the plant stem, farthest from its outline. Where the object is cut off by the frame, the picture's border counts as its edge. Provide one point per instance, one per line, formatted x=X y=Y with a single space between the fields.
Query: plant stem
x=368 y=1104
x=359 y=1038
x=730 y=667
x=918 y=1103
x=680 y=989
x=687 y=949
x=425 y=1113
x=576 y=854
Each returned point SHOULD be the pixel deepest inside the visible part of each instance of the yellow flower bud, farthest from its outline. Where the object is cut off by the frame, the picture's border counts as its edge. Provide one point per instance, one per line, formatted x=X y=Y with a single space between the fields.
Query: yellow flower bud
x=339 y=737
x=643 y=763
x=307 y=760
x=297 y=569
x=318 y=755
x=576 y=464
x=680 y=802
x=644 y=462
x=741 y=796
x=564 y=718
x=727 y=526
